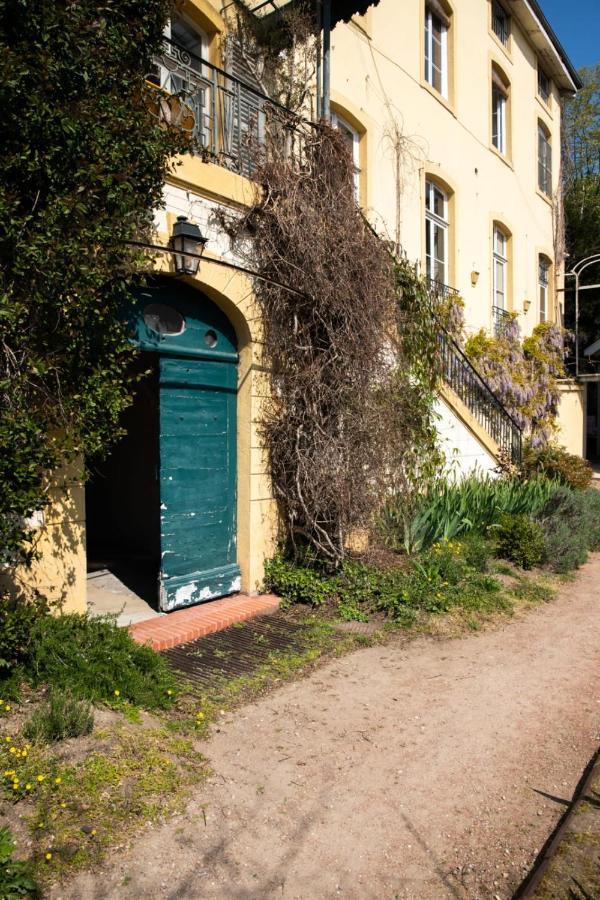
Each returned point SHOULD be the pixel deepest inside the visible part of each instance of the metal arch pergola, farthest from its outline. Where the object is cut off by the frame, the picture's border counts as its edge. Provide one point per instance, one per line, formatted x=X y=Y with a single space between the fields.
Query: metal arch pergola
x=576 y=272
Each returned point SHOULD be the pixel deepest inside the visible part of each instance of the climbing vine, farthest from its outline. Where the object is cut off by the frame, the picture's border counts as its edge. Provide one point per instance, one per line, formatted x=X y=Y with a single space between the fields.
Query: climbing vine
x=524 y=374
x=350 y=352
x=84 y=160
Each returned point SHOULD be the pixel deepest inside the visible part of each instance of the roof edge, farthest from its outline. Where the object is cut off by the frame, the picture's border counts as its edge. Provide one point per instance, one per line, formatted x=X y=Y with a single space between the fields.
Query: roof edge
x=538 y=12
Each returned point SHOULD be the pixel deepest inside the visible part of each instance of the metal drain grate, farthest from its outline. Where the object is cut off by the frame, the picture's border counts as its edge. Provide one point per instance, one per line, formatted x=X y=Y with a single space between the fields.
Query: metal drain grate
x=238 y=650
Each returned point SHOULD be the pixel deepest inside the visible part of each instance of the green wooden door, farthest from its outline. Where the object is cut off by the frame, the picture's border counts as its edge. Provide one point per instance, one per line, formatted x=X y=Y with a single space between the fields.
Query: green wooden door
x=198 y=359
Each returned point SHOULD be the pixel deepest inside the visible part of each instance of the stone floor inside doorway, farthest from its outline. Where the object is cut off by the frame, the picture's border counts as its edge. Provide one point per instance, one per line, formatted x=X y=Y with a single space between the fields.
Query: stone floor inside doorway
x=109 y=593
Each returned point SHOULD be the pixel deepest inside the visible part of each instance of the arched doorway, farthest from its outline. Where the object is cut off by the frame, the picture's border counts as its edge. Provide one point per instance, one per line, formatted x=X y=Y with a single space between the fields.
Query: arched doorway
x=165 y=501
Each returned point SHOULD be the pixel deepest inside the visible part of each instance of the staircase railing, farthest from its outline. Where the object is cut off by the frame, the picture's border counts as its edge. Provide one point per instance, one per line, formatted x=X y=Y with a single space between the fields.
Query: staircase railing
x=466 y=382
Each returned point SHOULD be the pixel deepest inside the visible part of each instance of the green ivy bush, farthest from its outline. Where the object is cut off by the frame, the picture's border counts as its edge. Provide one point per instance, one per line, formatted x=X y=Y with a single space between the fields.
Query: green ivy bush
x=15 y=876
x=17 y=621
x=556 y=463
x=84 y=160
x=59 y=717
x=521 y=540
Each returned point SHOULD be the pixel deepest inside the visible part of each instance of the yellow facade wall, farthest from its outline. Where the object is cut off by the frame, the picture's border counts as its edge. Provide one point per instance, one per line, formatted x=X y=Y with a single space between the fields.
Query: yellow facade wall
x=379 y=70
x=571 y=417
x=59 y=571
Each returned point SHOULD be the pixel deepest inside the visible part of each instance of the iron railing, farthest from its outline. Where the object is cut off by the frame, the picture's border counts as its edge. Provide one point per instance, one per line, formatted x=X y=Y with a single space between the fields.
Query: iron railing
x=226 y=117
x=462 y=377
x=500 y=319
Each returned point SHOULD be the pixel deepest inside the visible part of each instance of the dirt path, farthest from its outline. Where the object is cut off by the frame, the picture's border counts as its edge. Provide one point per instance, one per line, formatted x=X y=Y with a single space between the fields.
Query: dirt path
x=413 y=770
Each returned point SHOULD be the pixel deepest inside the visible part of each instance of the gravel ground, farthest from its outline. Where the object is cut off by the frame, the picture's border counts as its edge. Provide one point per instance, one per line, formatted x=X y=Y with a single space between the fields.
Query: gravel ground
x=427 y=770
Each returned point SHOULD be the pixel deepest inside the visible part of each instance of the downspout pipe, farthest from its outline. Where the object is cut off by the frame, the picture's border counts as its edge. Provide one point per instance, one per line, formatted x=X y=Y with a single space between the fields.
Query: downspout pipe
x=319 y=21
x=326 y=110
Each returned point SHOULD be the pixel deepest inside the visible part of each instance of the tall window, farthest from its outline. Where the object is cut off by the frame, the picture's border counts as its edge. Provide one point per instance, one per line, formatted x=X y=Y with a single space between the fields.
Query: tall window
x=352 y=138
x=544 y=88
x=499 y=112
x=544 y=160
x=500 y=23
x=436 y=233
x=543 y=282
x=500 y=264
x=436 y=48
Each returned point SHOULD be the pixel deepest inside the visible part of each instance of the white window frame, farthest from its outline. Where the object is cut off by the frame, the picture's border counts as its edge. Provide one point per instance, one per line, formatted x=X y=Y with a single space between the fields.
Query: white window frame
x=429 y=16
x=544 y=266
x=341 y=123
x=500 y=116
x=434 y=221
x=500 y=263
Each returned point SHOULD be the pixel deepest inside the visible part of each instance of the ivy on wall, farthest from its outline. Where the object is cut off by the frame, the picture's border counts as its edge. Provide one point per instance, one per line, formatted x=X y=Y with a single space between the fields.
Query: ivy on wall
x=83 y=164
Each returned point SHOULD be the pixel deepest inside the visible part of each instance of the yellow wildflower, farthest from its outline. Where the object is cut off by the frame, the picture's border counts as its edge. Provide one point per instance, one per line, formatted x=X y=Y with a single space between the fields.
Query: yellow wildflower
x=41 y=777
x=7 y=708
x=117 y=693
x=57 y=780
x=93 y=831
x=63 y=805
x=12 y=749
x=48 y=856
x=28 y=786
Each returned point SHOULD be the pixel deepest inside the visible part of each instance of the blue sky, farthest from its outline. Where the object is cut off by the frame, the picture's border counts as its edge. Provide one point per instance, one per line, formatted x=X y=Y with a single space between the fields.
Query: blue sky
x=577 y=26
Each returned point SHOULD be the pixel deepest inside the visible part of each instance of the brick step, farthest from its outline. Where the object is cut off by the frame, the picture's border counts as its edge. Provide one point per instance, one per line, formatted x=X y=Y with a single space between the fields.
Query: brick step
x=183 y=625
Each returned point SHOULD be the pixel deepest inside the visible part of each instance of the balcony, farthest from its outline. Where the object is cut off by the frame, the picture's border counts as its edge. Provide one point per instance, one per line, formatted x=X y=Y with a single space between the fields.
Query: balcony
x=227 y=119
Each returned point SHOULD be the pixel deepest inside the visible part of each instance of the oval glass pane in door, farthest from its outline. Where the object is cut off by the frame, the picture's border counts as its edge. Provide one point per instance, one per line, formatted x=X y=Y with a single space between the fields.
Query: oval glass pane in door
x=163 y=319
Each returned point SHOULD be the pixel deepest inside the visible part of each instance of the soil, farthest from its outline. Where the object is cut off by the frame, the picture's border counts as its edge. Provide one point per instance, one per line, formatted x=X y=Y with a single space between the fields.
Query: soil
x=429 y=769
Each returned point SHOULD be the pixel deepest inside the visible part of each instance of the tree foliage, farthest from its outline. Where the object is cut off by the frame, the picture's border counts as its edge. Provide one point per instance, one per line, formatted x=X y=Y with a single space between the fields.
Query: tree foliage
x=581 y=191
x=84 y=160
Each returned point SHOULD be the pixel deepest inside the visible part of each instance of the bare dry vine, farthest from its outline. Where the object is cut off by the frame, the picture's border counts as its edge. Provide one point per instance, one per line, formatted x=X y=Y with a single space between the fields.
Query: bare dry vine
x=351 y=359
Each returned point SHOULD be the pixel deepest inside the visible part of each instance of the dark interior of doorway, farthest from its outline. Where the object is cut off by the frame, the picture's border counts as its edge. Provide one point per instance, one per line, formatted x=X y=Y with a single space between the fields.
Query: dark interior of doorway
x=122 y=495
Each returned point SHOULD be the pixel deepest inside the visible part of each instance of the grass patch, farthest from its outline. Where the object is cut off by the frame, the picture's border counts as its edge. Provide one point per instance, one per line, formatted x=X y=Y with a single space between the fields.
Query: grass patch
x=60 y=716
x=77 y=811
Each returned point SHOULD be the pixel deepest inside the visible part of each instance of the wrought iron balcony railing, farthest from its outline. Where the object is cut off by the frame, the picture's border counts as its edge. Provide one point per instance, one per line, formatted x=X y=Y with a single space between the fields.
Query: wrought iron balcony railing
x=460 y=374
x=500 y=318
x=226 y=117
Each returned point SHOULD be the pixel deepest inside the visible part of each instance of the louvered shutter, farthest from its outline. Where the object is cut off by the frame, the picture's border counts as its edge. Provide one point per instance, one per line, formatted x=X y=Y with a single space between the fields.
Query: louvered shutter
x=245 y=113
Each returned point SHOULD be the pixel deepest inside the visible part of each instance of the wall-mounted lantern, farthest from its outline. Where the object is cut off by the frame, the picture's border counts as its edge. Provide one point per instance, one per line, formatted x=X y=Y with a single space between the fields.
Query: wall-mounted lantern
x=474 y=277
x=526 y=305
x=188 y=243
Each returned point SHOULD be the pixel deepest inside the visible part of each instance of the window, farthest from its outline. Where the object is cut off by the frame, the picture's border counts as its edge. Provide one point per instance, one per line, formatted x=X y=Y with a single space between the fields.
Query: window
x=500 y=268
x=543 y=282
x=499 y=112
x=436 y=48
x=544 y=160
x=352 y=137
x=500 y=23
x=436 y=233
x=544 y=87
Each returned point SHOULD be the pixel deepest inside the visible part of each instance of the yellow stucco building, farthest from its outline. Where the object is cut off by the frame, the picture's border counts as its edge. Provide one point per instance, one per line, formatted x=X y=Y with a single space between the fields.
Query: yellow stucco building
x=452 y=114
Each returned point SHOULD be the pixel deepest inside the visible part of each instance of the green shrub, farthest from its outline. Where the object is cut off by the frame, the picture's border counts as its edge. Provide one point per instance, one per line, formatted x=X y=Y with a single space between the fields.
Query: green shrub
x=60 y=716
x=93 y=658
x=296 y=583
x=15 y=877
x=565 y=523
x=448 y=510
x=521 y=540
x=556 y=463
x=476 y=551
x=17 y=619
x=591 y=499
